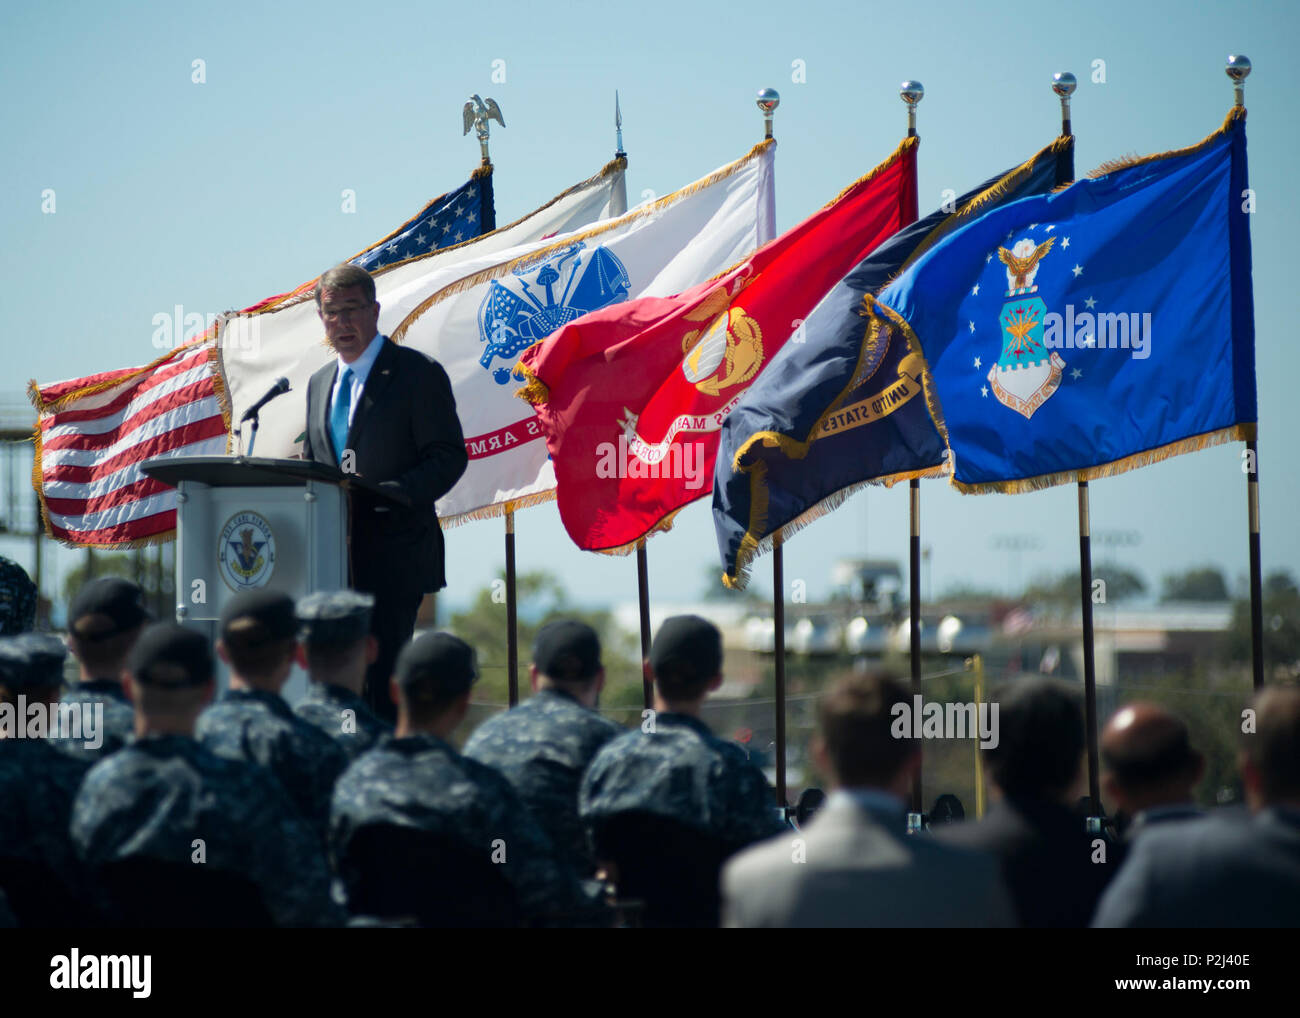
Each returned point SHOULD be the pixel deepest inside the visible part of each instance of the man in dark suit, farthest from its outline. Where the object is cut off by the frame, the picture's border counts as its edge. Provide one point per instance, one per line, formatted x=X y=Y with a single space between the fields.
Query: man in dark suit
x=385 y=413
x=1225 y=871
x=1053 y=868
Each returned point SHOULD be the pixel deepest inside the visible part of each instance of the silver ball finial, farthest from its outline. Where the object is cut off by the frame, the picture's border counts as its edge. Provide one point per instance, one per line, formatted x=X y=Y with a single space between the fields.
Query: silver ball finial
x=1064 y=83
x=911 y=92
x=1238 y=69
x=768 y=99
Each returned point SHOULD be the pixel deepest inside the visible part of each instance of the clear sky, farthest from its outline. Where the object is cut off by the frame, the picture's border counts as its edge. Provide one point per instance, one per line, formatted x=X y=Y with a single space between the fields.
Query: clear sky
x=214 y=195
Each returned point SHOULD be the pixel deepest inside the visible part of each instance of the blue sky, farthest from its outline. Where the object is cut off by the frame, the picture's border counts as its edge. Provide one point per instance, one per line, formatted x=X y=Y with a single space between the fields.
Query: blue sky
x=215 y=195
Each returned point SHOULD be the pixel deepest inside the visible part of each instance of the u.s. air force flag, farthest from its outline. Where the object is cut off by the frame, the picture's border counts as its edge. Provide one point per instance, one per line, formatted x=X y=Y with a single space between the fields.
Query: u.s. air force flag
x=1094 y=330
x=840 y=407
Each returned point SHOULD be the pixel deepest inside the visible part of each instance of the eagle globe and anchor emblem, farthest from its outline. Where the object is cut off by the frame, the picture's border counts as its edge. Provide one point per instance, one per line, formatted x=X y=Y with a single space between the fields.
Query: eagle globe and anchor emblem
x=543 y=296
x=1027 y=373
x=246 y=551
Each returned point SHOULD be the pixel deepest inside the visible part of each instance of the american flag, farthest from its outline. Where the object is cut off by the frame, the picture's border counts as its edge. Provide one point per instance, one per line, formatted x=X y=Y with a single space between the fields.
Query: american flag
x=93 y=433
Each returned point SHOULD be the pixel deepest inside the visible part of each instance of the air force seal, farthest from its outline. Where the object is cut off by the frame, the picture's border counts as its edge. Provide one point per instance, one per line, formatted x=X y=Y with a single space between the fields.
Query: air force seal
x=1027 y=373
x=246 y=551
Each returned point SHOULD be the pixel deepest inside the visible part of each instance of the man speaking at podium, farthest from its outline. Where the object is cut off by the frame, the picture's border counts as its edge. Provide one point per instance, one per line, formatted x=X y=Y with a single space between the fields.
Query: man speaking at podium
x=385 y=413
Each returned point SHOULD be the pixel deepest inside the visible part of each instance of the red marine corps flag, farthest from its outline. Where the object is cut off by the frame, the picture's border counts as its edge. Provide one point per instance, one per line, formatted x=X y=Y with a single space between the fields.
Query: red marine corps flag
x=631 y=398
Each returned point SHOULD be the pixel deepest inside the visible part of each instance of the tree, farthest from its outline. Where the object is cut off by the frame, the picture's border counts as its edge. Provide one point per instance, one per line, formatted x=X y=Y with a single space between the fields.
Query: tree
x=1120 y=585
x=541 y=598
x=1203 y=584
x=1281 y=610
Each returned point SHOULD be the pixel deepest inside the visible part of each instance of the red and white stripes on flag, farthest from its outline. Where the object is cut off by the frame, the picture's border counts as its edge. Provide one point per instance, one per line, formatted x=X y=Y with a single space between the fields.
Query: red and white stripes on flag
x=93 y=433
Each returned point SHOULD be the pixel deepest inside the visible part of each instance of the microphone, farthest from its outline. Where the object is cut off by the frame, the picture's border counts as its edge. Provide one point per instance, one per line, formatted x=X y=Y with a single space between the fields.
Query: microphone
x=280 y=387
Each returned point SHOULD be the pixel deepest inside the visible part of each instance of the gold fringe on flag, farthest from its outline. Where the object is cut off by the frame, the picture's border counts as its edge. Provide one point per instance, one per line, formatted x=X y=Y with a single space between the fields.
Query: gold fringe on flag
x=489 y=512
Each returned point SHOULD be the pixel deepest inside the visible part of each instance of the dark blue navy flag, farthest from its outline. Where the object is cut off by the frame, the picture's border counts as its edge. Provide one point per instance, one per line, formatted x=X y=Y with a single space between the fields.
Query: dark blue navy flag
x=840 y=406
x=458 y=216
x=1094 y=330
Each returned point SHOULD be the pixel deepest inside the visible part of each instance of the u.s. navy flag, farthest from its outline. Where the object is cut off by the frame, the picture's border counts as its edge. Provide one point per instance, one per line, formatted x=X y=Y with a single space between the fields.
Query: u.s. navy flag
x=632 y=398
x=838 y=407
x=1093 y=330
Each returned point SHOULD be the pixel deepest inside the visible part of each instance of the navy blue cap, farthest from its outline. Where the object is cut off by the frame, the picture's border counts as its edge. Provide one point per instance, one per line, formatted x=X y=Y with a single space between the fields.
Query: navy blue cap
x=690 y=643
x=259 y=617
x=438 y=660
x=168 y=654
x=567 y=650
x=106 y=607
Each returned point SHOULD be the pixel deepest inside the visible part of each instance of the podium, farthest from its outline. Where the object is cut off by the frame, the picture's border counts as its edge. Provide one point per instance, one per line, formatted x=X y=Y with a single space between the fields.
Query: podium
x=244 y=523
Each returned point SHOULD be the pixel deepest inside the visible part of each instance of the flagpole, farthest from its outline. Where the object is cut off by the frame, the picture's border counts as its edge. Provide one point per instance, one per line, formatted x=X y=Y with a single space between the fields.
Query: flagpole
x=643 y=602
x=768 y=100
x=1238 y=69
x=618 y=197
x=512 y=611
x=1064 y=84
x=912 y=92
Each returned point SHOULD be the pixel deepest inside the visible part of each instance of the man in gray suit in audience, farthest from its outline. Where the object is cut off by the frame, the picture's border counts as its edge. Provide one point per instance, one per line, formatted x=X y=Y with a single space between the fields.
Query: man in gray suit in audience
x=1225 y=872
x=854 y=864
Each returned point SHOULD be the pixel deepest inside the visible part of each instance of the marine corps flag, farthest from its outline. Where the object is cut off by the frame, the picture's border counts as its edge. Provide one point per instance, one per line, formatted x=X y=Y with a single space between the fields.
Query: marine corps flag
x=842 y=409
x=1094 y=330
x=631 y=398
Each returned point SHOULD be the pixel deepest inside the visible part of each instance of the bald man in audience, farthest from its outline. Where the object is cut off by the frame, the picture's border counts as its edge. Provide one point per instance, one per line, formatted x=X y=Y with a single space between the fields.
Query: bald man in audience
x=1222 y=872
x=1149 y=768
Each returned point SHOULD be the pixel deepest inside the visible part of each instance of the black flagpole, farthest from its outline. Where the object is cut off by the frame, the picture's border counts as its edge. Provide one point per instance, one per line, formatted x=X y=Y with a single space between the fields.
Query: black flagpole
x=1238 y=68
x=643 y=601
x=911 y=93
x=768 y=100
x=512 y=612
x=1063 y=85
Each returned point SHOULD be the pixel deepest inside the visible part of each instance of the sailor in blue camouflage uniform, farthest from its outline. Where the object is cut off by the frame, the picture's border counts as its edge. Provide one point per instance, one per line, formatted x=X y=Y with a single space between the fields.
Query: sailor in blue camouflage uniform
x=417 y=779
x=674 y=766
x=252 y=722
x=104 y=621
x=37 y=784
x=158 y=796
x=17 y=599
x=335 y=648
x=544 y=745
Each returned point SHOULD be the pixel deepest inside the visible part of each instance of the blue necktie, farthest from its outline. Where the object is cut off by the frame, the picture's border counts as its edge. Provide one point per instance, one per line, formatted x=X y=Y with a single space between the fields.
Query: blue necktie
x=339 y=415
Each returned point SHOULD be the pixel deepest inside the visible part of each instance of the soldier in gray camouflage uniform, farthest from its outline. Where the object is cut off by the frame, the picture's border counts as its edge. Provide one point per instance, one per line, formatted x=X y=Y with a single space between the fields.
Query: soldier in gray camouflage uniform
x=37 y=782
x=336 y=647
x=251 y=720
x=104 y=621
x=678 y=769
x=158 y=796
x=416 y=779
x=544 y=745
x=17 y=599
